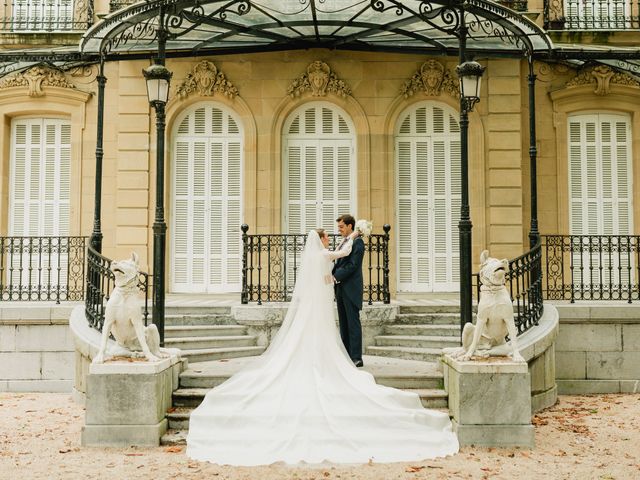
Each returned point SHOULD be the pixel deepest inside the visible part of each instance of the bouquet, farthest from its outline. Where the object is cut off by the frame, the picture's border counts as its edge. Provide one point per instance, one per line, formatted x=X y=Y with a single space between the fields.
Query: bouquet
x=364 y=227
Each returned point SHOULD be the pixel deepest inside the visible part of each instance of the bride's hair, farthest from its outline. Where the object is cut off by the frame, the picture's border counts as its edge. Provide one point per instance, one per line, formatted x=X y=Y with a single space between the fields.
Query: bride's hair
x=321 y=232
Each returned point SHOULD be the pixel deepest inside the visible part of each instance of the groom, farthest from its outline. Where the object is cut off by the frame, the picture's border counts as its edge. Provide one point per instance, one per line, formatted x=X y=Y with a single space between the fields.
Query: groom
x=347 y=274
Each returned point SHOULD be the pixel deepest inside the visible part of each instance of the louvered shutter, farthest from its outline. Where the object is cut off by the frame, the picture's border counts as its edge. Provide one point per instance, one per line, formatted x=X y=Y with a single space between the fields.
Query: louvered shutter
x=40 y=194
x=319 y=170
x=599 y=187
x=207 y=202
x=428 y=199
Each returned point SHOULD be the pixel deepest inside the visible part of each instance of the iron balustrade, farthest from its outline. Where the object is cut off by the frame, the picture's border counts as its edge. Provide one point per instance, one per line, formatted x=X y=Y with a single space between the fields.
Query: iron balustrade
x=516 y=5
x=40 y=16
x=42 y=268
x=100 y=284
x=591 y=14
x=270 y=263
x=592 y=267
x=524 y=282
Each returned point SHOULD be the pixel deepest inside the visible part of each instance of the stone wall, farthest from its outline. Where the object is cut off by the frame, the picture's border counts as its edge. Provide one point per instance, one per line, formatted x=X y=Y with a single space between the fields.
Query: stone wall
x=36 y=348
x=598 y=349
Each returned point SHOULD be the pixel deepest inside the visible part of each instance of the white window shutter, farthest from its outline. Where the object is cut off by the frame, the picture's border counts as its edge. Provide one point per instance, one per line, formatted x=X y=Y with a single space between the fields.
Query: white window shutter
x=207 y=202
x=428 y=198
x=319 y=148
x=599 y=186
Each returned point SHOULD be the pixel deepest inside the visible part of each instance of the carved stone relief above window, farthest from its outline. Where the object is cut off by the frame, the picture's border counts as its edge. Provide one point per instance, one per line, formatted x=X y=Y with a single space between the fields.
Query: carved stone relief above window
x=319 y=80
x=603 y=77
x=206 y=80
x=35 y=78
x=433 y=79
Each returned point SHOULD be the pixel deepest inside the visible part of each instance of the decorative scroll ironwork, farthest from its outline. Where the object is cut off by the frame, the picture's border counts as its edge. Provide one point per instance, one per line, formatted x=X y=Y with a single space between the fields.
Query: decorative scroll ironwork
x=42 y=268
x=591 y=14
x=270 y=263
x=592 y=267
x=524 y=281
x=38 y=16
x=100 y=284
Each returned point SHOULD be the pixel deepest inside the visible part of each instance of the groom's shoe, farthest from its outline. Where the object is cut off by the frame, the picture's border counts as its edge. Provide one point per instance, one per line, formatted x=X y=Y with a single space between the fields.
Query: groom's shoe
x=358 y=363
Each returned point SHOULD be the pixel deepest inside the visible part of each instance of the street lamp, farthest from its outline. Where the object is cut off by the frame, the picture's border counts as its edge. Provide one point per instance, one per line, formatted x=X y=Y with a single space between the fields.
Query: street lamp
x=158 y=79
x=470 y=75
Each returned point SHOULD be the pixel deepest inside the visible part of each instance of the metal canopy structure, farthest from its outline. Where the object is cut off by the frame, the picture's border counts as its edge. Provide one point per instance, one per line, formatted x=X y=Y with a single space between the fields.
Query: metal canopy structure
x=242 y=26
x=63 y=58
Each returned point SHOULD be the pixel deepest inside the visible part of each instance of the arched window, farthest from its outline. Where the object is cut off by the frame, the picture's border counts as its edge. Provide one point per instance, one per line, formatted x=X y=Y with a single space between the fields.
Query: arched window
x=427 y=147
x=319 y=167
x=207 y=201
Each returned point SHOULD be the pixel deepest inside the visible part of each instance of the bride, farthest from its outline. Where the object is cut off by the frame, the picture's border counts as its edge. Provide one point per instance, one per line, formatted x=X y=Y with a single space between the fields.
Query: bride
x=303 y=400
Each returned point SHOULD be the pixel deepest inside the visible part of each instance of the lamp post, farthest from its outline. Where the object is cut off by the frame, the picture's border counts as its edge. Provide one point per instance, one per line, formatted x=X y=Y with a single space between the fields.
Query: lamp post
x=158 y=78
x=470 y=75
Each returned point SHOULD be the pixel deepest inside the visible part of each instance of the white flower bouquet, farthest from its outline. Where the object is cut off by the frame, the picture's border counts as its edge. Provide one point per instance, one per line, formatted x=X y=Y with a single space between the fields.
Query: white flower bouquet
x=364 y=227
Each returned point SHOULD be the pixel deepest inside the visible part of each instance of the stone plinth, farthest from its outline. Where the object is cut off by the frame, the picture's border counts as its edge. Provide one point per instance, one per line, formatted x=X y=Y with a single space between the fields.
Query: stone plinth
x=126 y=402
x=490 y=402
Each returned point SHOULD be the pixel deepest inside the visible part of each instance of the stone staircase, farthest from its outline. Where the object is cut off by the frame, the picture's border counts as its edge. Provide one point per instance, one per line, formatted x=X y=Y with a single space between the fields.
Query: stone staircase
x=420 y=332
x=405 y=356
x=207 y=333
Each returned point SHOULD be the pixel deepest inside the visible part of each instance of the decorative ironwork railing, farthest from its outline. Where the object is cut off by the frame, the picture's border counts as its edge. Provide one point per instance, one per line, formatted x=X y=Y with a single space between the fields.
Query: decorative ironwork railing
x=270 y=263
x=39 y=16
x=100 y=284
x=42 y=268
x=524 y=281
x=115 y=5
x=591 y=14
x=592 y=267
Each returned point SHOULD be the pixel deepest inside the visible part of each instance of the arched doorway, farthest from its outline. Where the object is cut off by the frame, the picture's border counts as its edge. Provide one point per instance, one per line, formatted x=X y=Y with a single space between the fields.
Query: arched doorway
x=207 y=200
x=427 y=146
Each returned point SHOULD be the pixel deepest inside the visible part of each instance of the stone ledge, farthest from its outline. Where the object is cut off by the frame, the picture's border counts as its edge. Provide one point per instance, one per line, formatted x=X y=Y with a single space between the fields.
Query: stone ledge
x=542 y=400
x=36 y=313
x=29 y=386
x=589 y=387
x=123 y=435
x=123 y=367
x=486 y=365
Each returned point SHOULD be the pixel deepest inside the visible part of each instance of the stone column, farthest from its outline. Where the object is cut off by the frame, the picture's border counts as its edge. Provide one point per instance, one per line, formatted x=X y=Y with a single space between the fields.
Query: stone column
x=490 y=402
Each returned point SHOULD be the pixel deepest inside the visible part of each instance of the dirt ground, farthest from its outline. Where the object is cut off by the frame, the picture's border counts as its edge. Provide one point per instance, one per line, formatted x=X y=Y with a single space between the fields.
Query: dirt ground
x=581 y=437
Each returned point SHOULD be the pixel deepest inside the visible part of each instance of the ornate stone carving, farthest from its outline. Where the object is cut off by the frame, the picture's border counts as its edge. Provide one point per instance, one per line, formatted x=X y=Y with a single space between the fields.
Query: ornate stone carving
x=206 y=80
x=433 y=79
x=35 y=78
x=603 y=76
x=319 y=79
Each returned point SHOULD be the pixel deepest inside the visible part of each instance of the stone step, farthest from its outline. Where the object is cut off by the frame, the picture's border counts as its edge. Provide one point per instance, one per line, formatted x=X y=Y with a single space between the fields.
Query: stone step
x=440 y=330
x=181 y=331
x=448 y=307
x=174 y=437
x=198 y=309
x=178 y=417
x=200 y=343
x=421 y=341
x=194 y=378
x=206 y=354
x=444 y=318
x=196 y=319
x=407 y=353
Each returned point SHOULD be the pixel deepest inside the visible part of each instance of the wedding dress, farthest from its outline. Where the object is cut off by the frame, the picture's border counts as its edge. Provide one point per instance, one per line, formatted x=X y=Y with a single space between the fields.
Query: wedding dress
x=303 y=400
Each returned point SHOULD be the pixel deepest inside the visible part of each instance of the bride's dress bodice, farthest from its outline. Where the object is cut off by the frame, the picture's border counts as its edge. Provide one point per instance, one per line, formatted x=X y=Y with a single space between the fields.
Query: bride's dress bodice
x=304 y=400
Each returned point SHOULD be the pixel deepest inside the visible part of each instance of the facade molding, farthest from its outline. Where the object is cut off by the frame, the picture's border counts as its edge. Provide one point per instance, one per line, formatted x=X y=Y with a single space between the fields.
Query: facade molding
x=433 y=79
x=206 y=80
x=603 y=77
x=319 y=80
x=35 y=79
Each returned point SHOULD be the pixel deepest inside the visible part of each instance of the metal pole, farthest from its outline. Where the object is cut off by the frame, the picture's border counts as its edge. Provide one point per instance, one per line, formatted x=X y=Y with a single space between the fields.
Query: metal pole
x=534 y=234
x=159 y=225
x=96 y=235
x=464 y=226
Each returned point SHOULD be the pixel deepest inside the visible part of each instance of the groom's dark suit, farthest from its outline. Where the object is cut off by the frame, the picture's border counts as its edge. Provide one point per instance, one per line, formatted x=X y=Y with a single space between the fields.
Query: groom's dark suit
x=349 y=289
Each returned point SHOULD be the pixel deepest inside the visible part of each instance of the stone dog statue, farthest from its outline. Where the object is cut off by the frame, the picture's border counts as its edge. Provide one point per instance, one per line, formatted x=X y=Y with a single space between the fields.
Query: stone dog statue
x=123 y=317
x=495 y=317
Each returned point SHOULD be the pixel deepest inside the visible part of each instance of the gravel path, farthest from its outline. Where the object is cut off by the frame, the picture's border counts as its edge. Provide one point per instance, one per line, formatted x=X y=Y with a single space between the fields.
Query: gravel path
x=582 y=437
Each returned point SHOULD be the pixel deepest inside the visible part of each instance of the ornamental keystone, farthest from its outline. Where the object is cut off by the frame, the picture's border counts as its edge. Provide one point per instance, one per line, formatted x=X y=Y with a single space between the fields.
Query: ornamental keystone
x=206 y=80
x=319 y=79
x=603 y=77
x=35 y=78
x=433 y=79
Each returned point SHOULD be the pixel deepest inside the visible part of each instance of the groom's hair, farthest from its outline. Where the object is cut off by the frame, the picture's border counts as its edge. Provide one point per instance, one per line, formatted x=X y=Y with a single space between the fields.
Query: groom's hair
x=347 y=220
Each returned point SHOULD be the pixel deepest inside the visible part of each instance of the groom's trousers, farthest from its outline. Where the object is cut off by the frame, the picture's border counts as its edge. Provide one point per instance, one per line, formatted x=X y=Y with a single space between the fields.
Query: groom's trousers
x=350 y=327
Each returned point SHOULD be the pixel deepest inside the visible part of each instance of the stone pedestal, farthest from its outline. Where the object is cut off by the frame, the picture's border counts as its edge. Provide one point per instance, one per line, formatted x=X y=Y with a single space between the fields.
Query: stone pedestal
x=490 y=402
x=126 y=402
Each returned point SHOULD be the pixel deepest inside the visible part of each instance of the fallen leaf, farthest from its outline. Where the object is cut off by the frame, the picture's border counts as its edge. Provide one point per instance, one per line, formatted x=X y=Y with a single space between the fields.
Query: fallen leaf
x=413 y=469
x=174 y=449
x=64 y=450
x=134 y=454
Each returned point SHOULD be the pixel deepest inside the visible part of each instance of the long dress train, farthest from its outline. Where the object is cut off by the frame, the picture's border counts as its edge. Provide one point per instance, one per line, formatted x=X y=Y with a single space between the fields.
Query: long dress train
x=303 y=400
